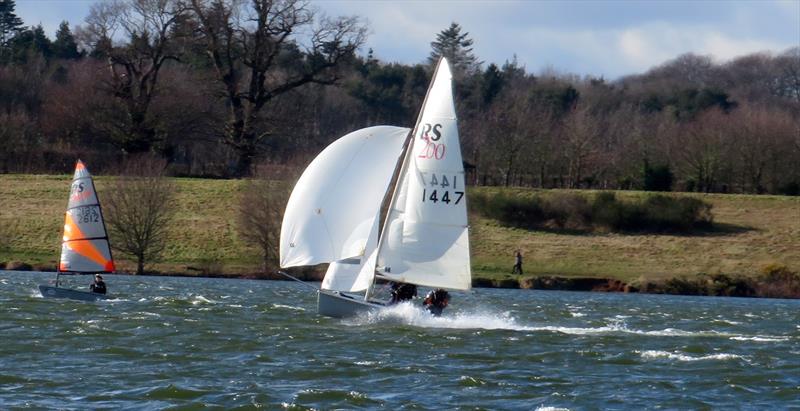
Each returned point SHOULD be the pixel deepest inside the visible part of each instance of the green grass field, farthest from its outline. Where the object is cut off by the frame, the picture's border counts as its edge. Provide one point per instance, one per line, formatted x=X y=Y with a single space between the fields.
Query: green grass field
x=753 y=231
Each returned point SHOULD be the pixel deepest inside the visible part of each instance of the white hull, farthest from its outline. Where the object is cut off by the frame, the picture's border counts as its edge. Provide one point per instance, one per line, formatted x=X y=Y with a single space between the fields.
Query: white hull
x=49 y=291
x=339 y=305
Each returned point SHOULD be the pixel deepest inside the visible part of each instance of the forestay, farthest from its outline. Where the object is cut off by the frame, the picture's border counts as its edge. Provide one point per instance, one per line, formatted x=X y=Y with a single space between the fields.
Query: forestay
x=425 y=239
x=332 y=209
x=85 y=247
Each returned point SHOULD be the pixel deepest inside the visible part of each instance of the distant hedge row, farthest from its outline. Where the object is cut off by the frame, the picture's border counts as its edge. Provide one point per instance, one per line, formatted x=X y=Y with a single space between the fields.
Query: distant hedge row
x=603 y=212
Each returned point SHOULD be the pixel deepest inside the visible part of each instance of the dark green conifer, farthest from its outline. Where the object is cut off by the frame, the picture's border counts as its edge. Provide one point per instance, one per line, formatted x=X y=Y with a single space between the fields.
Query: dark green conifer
x=457 y=48
x=65 y=46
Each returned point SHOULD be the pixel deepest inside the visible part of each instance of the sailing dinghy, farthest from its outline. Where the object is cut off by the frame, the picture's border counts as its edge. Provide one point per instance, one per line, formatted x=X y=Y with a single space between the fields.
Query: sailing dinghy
x=84 y=246
x=334 y=210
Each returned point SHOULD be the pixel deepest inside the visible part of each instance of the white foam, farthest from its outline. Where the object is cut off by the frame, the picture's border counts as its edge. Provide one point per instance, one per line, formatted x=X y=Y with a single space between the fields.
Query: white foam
x=654 y=354
x=759 y=338
x=290 y=307
x=543 y=408
x=200 y=299
x=410 y=314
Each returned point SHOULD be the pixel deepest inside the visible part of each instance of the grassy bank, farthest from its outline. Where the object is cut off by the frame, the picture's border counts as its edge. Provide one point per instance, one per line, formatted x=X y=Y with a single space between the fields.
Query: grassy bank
x=750 y=233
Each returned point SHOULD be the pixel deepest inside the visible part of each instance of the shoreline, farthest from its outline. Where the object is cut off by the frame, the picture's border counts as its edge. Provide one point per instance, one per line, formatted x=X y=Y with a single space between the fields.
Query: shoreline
x=704 y=286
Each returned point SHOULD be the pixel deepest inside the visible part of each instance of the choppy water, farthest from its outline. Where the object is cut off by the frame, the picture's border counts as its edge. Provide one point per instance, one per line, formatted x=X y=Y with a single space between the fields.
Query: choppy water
x=211 y=343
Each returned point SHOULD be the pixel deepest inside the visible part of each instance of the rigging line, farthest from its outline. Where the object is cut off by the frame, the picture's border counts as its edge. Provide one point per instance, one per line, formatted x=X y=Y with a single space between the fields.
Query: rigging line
x=298 y=280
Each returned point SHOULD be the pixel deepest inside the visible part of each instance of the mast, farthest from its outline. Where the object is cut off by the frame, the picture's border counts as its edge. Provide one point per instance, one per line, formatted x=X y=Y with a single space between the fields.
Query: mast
x=103 y=220
x=403 y=170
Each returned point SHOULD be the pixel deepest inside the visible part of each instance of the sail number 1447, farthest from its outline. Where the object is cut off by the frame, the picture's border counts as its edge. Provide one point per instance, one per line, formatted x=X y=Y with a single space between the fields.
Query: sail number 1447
x=438 y=189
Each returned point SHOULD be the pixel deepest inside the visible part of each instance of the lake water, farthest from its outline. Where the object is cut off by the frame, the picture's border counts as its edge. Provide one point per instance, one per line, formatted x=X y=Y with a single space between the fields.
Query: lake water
x=212 y=343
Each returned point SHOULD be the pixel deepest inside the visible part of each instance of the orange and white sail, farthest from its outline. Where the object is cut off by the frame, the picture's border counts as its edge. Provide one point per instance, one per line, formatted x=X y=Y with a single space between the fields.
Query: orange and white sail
x=84 y=247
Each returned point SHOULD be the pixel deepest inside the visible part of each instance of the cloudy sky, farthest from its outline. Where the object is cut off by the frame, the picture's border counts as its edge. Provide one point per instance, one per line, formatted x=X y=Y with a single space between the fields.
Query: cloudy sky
x=608 y=38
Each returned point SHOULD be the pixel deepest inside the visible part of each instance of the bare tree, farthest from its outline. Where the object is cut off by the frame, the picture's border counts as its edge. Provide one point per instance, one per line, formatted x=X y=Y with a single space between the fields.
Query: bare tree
x=139 y=208
x=134 y=67
x=258 y=56
x=260 y=215
x=582 y=130
x=701 y=146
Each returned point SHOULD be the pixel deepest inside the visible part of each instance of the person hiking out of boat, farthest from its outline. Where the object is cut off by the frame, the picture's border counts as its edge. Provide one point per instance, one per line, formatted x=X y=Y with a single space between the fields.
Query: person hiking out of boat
x=436 y=301
x=98 y=286
x=402 y=292
x=517 y=263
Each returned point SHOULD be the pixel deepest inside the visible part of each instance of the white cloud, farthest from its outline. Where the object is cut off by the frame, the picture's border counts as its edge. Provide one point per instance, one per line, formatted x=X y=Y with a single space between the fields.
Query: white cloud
x=646 y=46
x=598 y=38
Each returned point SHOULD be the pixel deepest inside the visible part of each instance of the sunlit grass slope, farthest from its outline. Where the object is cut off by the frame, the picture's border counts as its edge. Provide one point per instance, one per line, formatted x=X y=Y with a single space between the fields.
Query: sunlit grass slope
x=753 y=231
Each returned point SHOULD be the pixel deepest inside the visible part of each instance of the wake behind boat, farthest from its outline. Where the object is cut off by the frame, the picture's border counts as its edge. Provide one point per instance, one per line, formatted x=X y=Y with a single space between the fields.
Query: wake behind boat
x=333 y=213
x=84 y=247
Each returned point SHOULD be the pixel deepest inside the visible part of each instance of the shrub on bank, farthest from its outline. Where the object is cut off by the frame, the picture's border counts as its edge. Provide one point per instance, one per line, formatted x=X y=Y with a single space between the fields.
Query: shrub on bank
x=776 y=281
x=604 y=212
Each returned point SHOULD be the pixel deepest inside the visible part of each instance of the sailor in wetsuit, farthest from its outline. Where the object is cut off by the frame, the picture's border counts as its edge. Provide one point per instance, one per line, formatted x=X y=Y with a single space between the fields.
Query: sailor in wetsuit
x=402 y=292
x=436 y=301
x=98 y=286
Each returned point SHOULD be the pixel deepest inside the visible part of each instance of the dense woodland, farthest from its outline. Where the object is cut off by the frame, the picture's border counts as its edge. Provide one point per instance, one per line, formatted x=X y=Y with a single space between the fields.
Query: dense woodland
x=222 y=88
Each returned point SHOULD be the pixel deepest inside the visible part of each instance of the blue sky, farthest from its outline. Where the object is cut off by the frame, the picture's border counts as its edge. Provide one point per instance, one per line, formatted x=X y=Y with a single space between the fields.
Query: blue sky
x=608 y=38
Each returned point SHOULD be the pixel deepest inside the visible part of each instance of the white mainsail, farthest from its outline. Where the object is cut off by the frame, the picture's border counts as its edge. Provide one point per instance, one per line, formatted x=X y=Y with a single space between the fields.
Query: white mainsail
x=333 y=208
x=425 y=239
x=84 y=248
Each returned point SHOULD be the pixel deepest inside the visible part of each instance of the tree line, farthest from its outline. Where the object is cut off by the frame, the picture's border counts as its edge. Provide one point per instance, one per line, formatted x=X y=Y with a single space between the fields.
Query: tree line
x=222 y=88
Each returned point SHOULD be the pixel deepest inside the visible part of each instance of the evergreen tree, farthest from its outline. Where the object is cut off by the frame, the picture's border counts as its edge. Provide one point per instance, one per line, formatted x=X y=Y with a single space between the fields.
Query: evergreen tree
x=30 y=43
x=492 y=83
x=10 y=26
x=457 y=48
x=65 y=46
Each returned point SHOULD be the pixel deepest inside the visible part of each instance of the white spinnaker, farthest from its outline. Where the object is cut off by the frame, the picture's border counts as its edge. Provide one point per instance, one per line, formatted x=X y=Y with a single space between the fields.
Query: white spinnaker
x=84 y=247
x=425 y=240
x=332 y=208
x=348 y=274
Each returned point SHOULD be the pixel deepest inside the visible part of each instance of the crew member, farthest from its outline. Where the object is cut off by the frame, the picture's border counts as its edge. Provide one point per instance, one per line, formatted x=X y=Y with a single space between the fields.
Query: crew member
x=402 y=292
x=436 y=301
x=98 y=286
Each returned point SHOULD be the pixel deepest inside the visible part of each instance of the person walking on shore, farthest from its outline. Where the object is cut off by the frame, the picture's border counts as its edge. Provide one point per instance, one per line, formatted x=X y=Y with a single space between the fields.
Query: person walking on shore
x=517 y=263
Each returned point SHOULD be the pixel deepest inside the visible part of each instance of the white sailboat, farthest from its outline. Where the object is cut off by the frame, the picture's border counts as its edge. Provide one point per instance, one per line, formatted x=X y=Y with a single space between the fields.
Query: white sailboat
x=84 y=246
x=333 y=213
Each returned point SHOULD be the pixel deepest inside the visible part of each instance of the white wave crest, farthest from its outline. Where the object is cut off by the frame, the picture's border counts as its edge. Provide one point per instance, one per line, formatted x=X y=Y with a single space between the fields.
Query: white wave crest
x=761 y=338
x=288 y=307
x=543 y=408
x=410 y=314
x=654 y=354
x=198 y=299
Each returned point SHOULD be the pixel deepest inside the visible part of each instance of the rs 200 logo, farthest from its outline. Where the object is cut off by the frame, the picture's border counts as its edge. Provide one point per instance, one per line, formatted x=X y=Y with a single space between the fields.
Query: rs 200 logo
x=431 y=133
